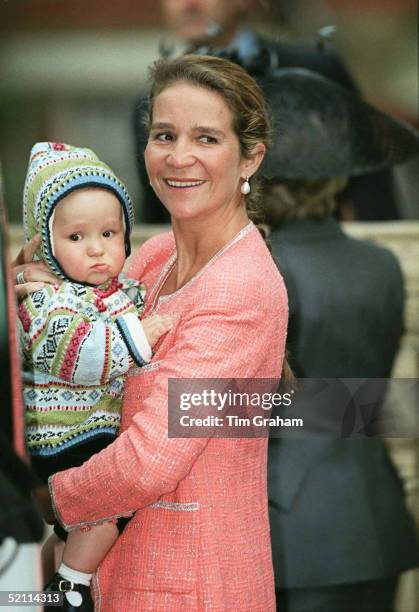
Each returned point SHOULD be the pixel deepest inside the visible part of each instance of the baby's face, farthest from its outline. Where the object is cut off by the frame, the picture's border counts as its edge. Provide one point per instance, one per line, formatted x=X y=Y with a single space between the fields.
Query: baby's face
x=88 y=235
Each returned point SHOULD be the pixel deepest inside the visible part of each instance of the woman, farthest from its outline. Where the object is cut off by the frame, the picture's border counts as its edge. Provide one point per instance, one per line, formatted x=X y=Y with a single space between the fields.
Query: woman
x=199 y=537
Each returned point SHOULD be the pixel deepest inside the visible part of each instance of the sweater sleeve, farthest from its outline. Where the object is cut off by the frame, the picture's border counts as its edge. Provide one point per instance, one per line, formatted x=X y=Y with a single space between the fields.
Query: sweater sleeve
x=72 y=341
x=144 y=463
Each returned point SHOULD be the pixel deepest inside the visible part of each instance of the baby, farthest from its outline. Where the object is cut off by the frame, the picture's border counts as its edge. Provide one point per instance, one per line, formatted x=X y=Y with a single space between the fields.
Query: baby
x=79 y=338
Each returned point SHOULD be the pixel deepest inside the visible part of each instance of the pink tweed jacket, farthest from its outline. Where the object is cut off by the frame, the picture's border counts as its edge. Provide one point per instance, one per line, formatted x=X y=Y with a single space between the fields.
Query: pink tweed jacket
x=199 y=538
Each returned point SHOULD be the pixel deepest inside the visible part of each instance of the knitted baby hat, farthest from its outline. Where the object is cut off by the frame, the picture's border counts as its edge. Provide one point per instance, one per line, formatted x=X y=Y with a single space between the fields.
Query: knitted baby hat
x=55 y=170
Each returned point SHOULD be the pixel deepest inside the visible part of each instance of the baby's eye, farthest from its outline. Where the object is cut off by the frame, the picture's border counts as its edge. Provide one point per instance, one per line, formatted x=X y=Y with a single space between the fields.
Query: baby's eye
x=208 y=139
x=75 y=237
x=108 y=233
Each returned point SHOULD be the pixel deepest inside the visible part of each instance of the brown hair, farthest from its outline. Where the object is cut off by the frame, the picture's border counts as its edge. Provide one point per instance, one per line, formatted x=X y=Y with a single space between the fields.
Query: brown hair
x=251 y=122
x=300 y=199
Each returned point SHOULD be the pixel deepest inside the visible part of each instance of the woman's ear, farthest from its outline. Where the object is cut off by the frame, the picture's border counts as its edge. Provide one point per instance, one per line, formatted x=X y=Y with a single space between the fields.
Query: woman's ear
x=251 y=164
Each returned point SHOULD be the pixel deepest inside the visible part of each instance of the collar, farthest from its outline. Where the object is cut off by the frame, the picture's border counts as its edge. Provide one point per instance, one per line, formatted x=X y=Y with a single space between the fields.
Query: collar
x=304 y=229
x=108 y=288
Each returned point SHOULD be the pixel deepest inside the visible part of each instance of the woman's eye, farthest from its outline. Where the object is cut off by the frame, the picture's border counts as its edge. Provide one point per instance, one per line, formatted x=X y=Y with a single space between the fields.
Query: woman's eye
x=163 y=137
x=108 y=233
x=75 y=237
x=208 y=139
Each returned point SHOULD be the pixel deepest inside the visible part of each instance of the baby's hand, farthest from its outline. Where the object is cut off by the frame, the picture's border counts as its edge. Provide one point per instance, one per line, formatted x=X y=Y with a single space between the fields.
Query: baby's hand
x=156 y=326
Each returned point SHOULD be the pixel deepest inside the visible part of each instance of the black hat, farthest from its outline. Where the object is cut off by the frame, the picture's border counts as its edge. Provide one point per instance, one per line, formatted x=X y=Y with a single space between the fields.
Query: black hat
x=322 y=130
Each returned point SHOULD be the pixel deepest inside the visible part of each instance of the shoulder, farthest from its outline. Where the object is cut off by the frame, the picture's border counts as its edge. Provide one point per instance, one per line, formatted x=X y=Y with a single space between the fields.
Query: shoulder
x=245 y=272
x=151 y=255
x=61 y=296
x=369 y=261
x=377 y=257
x=52 y=300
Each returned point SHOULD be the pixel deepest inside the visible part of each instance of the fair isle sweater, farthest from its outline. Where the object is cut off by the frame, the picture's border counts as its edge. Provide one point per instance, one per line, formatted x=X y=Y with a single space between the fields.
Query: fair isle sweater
x=77 y=344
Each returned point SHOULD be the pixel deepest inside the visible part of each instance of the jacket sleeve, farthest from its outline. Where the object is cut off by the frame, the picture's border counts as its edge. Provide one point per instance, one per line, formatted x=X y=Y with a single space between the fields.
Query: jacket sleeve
x=143 y=463
x=74 y=343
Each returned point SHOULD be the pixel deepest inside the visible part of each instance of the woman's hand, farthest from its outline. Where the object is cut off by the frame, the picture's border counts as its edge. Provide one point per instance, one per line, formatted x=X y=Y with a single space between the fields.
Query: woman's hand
x=30 y=275
x=43 y=498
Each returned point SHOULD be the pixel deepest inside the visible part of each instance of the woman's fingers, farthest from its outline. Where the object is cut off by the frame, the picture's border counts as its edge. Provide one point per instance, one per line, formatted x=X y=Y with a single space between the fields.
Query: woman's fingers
x=36 y=271
x=31 y=277
x=27 y=252
x=22 y=291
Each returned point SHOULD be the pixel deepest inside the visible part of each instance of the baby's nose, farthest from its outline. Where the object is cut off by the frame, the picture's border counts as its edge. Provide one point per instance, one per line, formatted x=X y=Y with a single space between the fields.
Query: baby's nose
x=95 y=247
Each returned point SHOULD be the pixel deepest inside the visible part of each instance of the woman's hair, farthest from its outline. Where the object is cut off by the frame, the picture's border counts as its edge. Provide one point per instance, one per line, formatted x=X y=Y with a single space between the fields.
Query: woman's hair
x=241 y=93
x=300 y=199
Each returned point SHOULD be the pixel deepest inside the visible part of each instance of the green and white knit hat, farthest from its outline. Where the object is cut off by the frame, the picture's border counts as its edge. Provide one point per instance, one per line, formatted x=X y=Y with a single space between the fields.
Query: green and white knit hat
x=55 y=170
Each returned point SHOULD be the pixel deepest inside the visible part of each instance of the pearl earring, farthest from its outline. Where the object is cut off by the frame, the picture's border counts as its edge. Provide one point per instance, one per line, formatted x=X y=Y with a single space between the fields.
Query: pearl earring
x=245 y=188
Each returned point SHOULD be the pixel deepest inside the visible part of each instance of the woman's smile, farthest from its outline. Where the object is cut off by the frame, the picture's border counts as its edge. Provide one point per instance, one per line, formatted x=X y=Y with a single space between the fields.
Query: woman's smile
x=177 y=183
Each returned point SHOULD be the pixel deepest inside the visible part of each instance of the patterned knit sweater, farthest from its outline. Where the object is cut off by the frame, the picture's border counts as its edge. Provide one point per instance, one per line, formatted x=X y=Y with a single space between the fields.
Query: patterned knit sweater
x=77 y=344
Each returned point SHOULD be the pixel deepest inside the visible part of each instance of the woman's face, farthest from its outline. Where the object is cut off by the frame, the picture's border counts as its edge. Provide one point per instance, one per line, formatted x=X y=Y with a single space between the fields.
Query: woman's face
x=193 y=156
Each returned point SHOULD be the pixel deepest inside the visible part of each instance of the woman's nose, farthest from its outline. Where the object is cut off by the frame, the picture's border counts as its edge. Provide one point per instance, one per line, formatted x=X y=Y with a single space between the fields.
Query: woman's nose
x=180 y=155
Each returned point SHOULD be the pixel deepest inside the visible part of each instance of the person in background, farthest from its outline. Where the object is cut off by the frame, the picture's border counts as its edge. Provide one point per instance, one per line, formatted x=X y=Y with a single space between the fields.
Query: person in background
x=222 y=27
x=200 y=22
x=341 y=533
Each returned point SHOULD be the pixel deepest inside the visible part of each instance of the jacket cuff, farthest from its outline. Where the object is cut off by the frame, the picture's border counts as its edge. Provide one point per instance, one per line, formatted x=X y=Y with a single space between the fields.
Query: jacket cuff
x=134 y=337
x=85 y=524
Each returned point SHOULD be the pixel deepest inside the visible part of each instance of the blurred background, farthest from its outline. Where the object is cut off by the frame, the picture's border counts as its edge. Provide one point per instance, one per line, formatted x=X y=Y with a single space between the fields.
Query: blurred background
x=71 y=71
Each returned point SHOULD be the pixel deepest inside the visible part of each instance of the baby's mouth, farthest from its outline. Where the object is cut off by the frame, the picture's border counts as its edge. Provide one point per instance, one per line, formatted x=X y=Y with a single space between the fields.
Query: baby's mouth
x=100 y=267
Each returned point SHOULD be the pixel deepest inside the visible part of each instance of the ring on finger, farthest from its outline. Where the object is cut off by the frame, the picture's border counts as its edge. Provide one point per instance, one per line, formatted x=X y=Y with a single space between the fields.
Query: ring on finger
x=20 y=278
